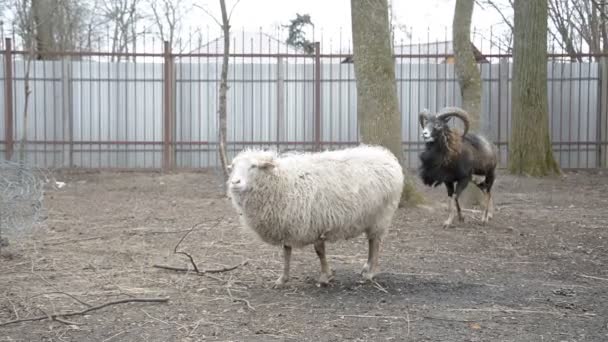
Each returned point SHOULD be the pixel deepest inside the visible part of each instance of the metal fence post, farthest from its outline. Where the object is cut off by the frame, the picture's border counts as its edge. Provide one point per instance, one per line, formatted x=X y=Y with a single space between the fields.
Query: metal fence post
x=66 y=104
x=8 y=99
x=168 y=148
x=280 y=102
x=317 y=96
x=603 y=114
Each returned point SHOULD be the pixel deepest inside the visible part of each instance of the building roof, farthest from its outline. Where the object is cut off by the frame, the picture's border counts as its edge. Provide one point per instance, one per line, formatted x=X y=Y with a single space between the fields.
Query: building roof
x=425 y=49
x=244 y=42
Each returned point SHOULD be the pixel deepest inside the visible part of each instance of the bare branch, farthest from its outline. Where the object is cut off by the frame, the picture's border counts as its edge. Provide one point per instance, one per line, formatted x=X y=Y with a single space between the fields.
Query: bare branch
x=506 y=20
x=192 y=262
x=87 y=310
x=232 y=9
x=209 y=14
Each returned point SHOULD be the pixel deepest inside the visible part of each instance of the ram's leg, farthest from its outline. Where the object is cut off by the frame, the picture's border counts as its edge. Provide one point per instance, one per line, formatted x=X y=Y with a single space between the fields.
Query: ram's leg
x=460 y=186
x=286 y=260
x=326 y=272
x=489 y=205
x=371 y=267
x=448 y=222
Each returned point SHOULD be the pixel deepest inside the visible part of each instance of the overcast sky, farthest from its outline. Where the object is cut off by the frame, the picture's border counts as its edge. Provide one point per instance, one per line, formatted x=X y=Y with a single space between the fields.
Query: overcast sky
x=432 y=18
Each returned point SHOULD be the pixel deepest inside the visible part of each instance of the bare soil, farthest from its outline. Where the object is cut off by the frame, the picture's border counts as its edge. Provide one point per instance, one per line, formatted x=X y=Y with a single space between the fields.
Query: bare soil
x=537 y=272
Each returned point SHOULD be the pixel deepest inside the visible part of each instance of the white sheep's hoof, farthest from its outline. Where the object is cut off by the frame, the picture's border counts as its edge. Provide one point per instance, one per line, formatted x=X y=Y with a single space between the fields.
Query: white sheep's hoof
x=365 y=269
x=446 y=224
x=324 y=279
x=280 y=282
x=369 y=276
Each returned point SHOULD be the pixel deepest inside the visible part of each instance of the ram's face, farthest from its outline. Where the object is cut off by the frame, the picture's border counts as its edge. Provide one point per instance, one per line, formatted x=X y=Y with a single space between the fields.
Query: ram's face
x=243 y=172
x=432 y=128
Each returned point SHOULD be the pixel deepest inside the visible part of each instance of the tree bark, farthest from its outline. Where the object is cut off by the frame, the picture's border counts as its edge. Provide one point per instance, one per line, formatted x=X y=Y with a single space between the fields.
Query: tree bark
x=377 y=105
x=224 y=91
x=530 y=150
x=468 y=76
x=45 y=42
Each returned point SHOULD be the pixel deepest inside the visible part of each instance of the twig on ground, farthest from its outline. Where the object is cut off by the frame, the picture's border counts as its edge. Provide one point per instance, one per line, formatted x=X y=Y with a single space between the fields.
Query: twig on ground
x=59 y=292
x=370 y=316
x=450 y=319
x=592 y=277
x=115 y=335
x=407 y=316
x=51 y=318
x=13 y=305
x=74 y=240
x=196 y=270
x=87 y=310
x=509 y=311
x=203 y=272
x=175 y=251
x=235 y=299
x=63 y=293
x=379 y=287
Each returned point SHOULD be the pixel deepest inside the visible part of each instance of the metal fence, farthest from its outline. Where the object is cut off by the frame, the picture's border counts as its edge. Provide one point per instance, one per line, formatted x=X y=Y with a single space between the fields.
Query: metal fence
x=159 y=110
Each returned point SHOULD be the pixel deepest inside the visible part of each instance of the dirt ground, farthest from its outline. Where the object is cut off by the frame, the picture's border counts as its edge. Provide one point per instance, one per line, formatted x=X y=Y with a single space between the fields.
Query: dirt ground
x=537 y=272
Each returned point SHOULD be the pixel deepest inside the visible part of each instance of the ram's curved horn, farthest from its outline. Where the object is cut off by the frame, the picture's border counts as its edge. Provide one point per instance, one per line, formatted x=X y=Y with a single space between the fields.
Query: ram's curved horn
x=448 y=112
x=424 y=115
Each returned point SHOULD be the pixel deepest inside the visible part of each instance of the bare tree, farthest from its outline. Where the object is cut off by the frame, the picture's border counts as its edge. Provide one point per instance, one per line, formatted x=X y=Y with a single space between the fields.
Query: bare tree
x=468 y=74
x=572 y=21
x=377 y=103
x=123 y=17
x=530 y=150
x=167 y=16
x=59 y=25
x=222 y=113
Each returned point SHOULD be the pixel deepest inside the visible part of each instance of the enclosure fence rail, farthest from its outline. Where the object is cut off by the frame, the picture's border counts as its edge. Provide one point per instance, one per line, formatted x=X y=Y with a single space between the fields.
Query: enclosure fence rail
x=158 y=111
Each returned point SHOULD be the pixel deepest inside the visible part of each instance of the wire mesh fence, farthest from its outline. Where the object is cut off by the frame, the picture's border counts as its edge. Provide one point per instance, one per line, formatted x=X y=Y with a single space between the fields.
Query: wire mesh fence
x=21 y=198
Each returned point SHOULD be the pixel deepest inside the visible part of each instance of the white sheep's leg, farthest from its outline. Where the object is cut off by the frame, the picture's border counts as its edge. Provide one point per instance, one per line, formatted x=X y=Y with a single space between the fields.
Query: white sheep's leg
x=371 y=267
x=286 y=260
x=326 y=272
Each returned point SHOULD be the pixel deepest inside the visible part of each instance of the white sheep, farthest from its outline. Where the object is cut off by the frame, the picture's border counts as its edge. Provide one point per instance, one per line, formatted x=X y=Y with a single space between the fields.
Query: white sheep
x=300 y=199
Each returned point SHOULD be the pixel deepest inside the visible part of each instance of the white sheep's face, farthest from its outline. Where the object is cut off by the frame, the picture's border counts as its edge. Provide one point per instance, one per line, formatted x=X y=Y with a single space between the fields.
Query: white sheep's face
x=244 y=170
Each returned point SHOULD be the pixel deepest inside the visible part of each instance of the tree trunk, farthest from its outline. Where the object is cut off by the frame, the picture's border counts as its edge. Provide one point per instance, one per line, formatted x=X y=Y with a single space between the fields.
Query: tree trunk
x=530 y=149
x=224 y=91
x=469 y=77
x=41 y=12
x=377 y=105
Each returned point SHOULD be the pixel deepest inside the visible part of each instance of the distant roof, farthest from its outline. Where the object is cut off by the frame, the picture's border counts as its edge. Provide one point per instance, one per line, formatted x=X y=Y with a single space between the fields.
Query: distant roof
x=249 y=42
x=434 y=48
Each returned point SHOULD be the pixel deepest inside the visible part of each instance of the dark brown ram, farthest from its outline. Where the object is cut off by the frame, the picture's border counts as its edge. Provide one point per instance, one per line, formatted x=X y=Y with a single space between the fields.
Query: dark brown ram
x=452 y=158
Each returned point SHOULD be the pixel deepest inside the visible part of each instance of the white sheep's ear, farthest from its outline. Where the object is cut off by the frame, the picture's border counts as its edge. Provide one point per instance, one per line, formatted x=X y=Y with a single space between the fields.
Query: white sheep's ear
x=266 y=164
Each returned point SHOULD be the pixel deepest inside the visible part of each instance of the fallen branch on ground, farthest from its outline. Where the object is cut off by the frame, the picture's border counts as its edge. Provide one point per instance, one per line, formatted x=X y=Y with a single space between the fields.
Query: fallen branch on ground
x=195 y=268
x=203 y=272
x=58 y=316
x=592 y=277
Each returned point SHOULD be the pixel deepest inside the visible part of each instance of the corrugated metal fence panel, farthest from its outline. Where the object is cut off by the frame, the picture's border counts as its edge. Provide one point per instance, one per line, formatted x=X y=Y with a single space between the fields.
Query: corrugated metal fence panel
x=114 y=110
x=45 y=129
x=117 y=114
